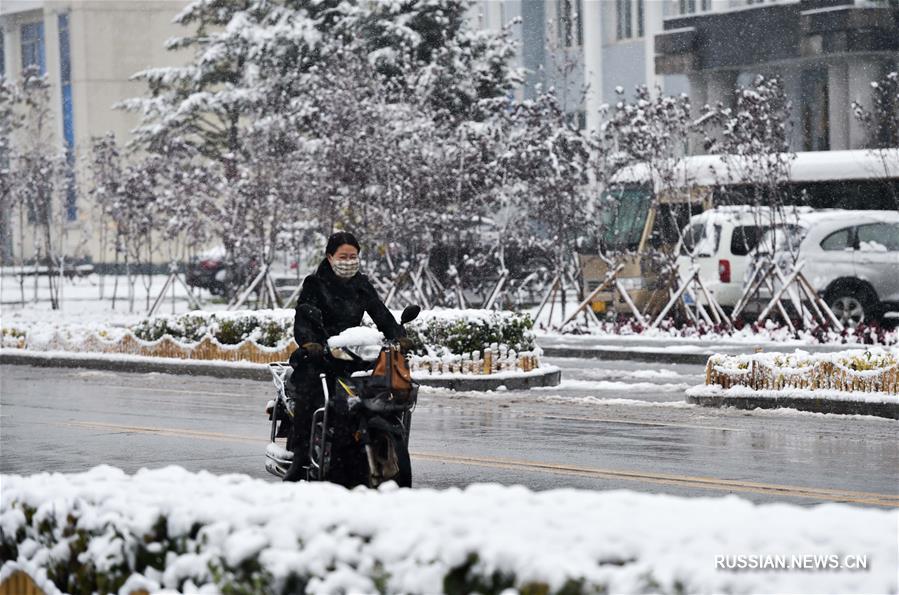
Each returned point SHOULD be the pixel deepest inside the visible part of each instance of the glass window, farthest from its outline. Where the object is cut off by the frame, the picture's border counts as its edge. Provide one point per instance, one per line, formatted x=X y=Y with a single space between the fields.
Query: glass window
x=625 y=217
x=68 y=129
x=878 y=237
x=692 y=235
x=568 y=15
x=624 y=29
x=744 y=239
x=838 y=240
x=687 y=6
x=33 y=46
x=701 y=239
x=640 y=18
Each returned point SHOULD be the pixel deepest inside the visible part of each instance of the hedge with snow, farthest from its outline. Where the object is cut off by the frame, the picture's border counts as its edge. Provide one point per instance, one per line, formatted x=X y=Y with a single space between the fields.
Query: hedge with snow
x=874 y=370
x=106 y=531
x=435 y=332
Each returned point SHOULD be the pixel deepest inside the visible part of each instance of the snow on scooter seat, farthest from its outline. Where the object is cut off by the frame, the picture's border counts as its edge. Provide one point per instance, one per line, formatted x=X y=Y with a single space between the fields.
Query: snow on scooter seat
x=356 y=336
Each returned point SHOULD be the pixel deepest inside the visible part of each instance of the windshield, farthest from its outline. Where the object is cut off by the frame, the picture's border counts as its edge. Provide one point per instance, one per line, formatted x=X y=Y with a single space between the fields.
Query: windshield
x=624 y=217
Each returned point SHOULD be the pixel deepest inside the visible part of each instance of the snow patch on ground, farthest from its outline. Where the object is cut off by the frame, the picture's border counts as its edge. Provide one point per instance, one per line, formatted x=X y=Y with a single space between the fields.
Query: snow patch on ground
x=590 y=400
x=607 y=385
x=623 y=541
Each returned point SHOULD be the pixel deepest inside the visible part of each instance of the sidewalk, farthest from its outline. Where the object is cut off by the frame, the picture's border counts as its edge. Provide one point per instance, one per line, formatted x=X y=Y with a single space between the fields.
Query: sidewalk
x=672 y=351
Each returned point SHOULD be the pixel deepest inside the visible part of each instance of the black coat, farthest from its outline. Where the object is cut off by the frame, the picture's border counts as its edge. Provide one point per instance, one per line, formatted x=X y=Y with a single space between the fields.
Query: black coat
x=342 y=304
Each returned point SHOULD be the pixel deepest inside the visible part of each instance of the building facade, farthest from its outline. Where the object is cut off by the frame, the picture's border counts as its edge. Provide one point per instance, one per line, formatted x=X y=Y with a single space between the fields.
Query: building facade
x=827 y=52
x=89 y=49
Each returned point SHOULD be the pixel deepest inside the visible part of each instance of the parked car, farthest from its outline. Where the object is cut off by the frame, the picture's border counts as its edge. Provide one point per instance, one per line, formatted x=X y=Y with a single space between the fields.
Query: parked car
x=720 y=243
x=209 y=271
x=851 y=258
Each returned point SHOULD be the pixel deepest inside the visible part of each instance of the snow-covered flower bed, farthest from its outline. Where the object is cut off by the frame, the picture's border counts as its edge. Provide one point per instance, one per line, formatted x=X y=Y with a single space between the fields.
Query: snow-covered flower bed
x=446 y=341
x=171 y=529
x=769 y=332
x=875 y=370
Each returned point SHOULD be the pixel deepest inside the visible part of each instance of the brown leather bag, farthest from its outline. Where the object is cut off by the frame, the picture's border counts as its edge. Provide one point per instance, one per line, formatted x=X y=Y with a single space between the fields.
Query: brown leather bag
x=391 y=372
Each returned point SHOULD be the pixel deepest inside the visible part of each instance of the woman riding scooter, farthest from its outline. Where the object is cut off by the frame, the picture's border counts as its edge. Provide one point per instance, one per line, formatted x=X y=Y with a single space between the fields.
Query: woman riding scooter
x=343 y=295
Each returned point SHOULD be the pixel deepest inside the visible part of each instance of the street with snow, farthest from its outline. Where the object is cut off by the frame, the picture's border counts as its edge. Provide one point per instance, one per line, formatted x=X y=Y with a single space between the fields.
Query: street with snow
x=609 y=425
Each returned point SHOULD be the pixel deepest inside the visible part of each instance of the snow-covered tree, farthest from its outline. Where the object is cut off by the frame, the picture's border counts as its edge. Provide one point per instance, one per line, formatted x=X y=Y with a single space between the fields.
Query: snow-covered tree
x=652 y=130
x=10 y=122
x=548 y=161
x=125 y=192
x=882 y=124
x=754 y=144
x=38 y=179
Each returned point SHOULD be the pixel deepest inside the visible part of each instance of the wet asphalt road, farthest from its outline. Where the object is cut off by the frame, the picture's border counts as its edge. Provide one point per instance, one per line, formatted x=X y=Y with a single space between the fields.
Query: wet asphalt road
x=610 y=425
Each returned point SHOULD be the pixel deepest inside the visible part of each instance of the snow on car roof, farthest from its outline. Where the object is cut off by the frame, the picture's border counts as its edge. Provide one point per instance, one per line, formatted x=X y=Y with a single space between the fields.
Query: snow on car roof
x=748 y=213
x=815 y=166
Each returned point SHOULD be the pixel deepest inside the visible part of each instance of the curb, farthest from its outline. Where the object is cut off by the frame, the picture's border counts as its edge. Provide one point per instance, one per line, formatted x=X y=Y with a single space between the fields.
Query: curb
x=141 y=367
x=887 y=410
x=551 y=377
x=641 y=356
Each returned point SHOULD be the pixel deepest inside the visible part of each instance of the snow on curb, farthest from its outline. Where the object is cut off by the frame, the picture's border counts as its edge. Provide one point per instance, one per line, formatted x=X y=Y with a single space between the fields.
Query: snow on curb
x=542 y=376
x=791 y=393
x=198 y=532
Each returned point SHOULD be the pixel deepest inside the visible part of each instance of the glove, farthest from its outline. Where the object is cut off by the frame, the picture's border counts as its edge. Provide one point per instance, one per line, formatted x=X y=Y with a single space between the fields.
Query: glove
x=405 y=344
x=313 y=350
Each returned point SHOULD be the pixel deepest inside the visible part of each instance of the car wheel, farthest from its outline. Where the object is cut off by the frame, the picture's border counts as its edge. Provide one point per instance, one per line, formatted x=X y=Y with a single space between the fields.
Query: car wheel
x=851 y=307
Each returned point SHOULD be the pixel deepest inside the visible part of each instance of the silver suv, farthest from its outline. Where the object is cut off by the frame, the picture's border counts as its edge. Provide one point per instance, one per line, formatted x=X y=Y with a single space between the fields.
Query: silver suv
x=851 y=259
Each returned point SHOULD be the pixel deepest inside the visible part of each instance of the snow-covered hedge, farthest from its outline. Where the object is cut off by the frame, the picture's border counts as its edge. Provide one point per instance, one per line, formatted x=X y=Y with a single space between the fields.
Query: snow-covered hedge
x=270 y=328
x=769 y=331
x=105 y=531
x=437 y=332
x=871 y=370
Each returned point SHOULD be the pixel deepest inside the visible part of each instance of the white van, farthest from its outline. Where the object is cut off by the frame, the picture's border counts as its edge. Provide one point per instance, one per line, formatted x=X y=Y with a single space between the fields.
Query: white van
x=720 y=241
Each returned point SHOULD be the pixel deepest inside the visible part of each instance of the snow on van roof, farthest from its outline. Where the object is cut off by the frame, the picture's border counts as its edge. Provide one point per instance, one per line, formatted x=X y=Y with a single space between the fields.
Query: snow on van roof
x=710 y=170
x=849 y=217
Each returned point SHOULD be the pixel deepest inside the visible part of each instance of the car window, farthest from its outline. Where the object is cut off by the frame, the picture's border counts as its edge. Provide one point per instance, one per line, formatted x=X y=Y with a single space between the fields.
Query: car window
x=878 y=237
x=701 y=239
x=838 y=240
x=744 y=239
x=692 y=235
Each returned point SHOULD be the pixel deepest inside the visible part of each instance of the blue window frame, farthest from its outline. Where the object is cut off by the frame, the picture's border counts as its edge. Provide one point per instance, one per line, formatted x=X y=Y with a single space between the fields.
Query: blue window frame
x=68 y=127
x=33 y=46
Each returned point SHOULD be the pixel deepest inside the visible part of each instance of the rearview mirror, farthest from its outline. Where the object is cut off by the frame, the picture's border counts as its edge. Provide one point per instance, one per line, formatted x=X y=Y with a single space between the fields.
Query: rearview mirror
x=410 y=313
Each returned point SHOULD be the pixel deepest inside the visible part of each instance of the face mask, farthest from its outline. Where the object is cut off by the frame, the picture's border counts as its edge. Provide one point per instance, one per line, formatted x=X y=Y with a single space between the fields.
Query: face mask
x=345 y=269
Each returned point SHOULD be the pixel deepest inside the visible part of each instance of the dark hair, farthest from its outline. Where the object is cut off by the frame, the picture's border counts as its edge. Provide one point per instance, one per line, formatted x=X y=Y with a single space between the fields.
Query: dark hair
x=340 y=238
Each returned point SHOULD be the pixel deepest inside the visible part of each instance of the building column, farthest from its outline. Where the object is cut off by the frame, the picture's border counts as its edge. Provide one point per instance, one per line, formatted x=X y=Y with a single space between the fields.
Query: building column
x=839 y=110
x=860 y=73
x=721 y=87
x=533 y=44
x=592 y=23
x=653 y=16
x=791 y=76
x=699 y=97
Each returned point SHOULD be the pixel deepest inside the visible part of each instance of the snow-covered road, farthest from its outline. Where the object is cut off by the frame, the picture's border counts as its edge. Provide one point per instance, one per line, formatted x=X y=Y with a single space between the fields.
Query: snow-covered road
x=610 y=425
